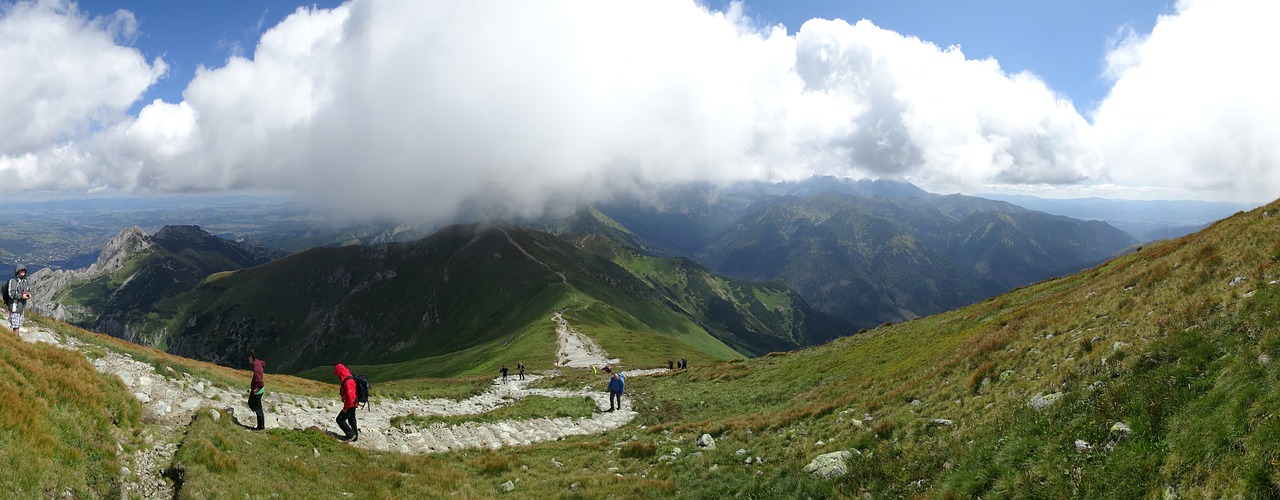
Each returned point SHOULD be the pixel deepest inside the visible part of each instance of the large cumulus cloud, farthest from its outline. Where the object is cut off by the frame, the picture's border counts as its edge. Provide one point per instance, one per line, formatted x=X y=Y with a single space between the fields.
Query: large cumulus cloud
x=401 y=107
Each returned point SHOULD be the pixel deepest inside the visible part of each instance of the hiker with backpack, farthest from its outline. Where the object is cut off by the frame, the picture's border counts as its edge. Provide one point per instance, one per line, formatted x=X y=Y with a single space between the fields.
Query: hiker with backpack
x=16 y=295
x=256 y=388
x=616 y=383
x=347 y=390
x=520 y=368
x=504 y=374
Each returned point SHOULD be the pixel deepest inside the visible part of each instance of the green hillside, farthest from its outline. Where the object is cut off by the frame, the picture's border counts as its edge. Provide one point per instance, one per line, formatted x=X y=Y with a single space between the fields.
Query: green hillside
x=867 y=251
x=470 y=298
x=1022 y=395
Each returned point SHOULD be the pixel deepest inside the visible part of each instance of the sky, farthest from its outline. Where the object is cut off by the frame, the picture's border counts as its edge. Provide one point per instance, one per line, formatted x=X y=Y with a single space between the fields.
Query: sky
x=406 y=108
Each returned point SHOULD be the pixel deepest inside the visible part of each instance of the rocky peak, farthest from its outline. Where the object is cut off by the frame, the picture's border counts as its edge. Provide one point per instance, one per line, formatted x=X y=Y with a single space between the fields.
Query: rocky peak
x=119 y=249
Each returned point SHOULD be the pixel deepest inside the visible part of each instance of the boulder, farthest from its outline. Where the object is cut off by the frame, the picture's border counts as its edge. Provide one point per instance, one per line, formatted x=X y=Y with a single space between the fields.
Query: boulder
x=706 y=441
x=829 y=465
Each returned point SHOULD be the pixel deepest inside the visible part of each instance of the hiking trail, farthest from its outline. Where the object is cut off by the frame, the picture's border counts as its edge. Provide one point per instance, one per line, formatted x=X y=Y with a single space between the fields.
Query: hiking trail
x=170 y=399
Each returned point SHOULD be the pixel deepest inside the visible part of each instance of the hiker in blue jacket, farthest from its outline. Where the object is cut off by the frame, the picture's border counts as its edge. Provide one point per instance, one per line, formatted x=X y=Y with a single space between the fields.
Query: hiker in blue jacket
x=616 y=383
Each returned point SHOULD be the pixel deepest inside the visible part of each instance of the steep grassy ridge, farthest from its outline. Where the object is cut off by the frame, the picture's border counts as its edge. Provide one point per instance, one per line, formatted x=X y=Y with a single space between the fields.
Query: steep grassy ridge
x=62 y=423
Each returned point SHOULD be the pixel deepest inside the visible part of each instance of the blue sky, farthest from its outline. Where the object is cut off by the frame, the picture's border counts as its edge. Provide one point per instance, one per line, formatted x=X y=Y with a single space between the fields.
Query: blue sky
x=418 y=107
x=188 y=34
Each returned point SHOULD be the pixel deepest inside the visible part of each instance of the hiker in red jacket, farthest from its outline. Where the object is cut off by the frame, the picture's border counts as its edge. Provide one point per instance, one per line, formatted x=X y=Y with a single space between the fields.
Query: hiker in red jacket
x=347 y=389
x=256 y=388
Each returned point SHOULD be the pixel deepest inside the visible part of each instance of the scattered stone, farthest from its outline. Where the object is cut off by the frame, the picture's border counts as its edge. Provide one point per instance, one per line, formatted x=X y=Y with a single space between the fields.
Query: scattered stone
x=706 y=441
x=916 y=402
x=829 y=465
x=676 y=451
x=943 y=422
x=1006 y=375
x=508 y=486
x=1083 y=446
x=858 y=423
x=740 y=452
x=1120 y=430
x=714 y=467
x=1042 y=401
x=555 y=463
x=1118 y=346
x=1236 y=280
x=1263 y=359
x=820 y=443
x=315 y=452
x=215 y=414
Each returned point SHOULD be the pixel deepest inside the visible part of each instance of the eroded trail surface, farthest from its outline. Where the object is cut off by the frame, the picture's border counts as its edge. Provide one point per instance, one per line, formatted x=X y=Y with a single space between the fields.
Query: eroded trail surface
x=170 y=399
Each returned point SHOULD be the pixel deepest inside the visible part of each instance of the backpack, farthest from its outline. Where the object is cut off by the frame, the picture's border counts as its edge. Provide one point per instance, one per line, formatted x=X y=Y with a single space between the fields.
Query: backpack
x=4 y=291
x=362 y=388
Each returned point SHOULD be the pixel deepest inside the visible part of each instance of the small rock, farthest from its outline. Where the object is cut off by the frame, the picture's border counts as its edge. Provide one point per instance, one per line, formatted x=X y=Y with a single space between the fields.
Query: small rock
x=1120 y=430
x=508 y=486
x=943 y=422
x=1006 y=375
x=858 y=423
x=1263 y=359
x=1236 y=280
x=714 y=467
x=706 y=441
x=820 y=443
x=315 y=452
x=916 y=402
x=555 y=463
x=1083 y=446
x=676 y=451
x=1042 y=401
x=215 y=414
x=1118 y=345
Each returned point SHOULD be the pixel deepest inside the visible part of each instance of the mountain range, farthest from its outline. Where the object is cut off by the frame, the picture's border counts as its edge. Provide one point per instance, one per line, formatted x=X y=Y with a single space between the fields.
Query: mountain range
x=713 y=273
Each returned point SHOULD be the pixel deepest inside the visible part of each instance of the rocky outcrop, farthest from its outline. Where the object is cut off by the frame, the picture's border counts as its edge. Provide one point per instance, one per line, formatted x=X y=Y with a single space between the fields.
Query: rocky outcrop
x=46 y=283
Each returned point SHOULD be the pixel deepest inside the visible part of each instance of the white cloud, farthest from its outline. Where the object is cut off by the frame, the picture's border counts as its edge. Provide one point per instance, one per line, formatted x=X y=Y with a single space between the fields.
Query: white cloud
x=63 y=74
x=401 y=107
x=1195 y=106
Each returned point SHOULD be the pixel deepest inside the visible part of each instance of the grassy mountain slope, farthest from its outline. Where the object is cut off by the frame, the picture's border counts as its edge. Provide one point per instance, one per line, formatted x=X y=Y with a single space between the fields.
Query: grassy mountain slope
x=63 y=422
x=470 y=298
x=869 y=251
x=1178 y=341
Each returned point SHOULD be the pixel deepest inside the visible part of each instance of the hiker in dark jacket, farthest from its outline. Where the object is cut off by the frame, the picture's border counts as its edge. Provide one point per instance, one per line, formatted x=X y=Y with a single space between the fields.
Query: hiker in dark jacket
x=17 y=298
x=256 y=388
x=347 y=390
x=520 y=368
x=616 y=383
x=504 y=374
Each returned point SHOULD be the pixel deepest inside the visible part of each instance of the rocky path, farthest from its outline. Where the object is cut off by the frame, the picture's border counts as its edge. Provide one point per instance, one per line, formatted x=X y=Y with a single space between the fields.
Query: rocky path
x=170 y=399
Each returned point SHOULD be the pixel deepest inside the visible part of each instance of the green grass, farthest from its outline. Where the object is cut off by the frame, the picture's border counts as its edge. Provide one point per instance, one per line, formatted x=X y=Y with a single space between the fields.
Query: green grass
x=1158 y=340
x=62 y=423
x=528 y=407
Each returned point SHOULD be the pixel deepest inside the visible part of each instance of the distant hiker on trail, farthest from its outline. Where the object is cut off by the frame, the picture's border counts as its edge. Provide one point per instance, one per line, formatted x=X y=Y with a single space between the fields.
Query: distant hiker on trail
x=256 y=388
x=684 y=363
x=670 y=364
x=607 y=369
x=520 y=368
x=616 y=383
x=504 y=374
x=347 y=390
x=16 y=294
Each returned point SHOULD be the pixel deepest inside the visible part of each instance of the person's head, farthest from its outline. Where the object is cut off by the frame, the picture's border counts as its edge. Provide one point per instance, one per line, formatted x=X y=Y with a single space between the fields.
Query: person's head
x=21 y=271
x=252 y=356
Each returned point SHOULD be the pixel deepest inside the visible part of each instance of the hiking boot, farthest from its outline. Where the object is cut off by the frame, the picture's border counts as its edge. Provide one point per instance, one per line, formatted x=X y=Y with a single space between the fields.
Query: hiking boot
x=355 y=437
